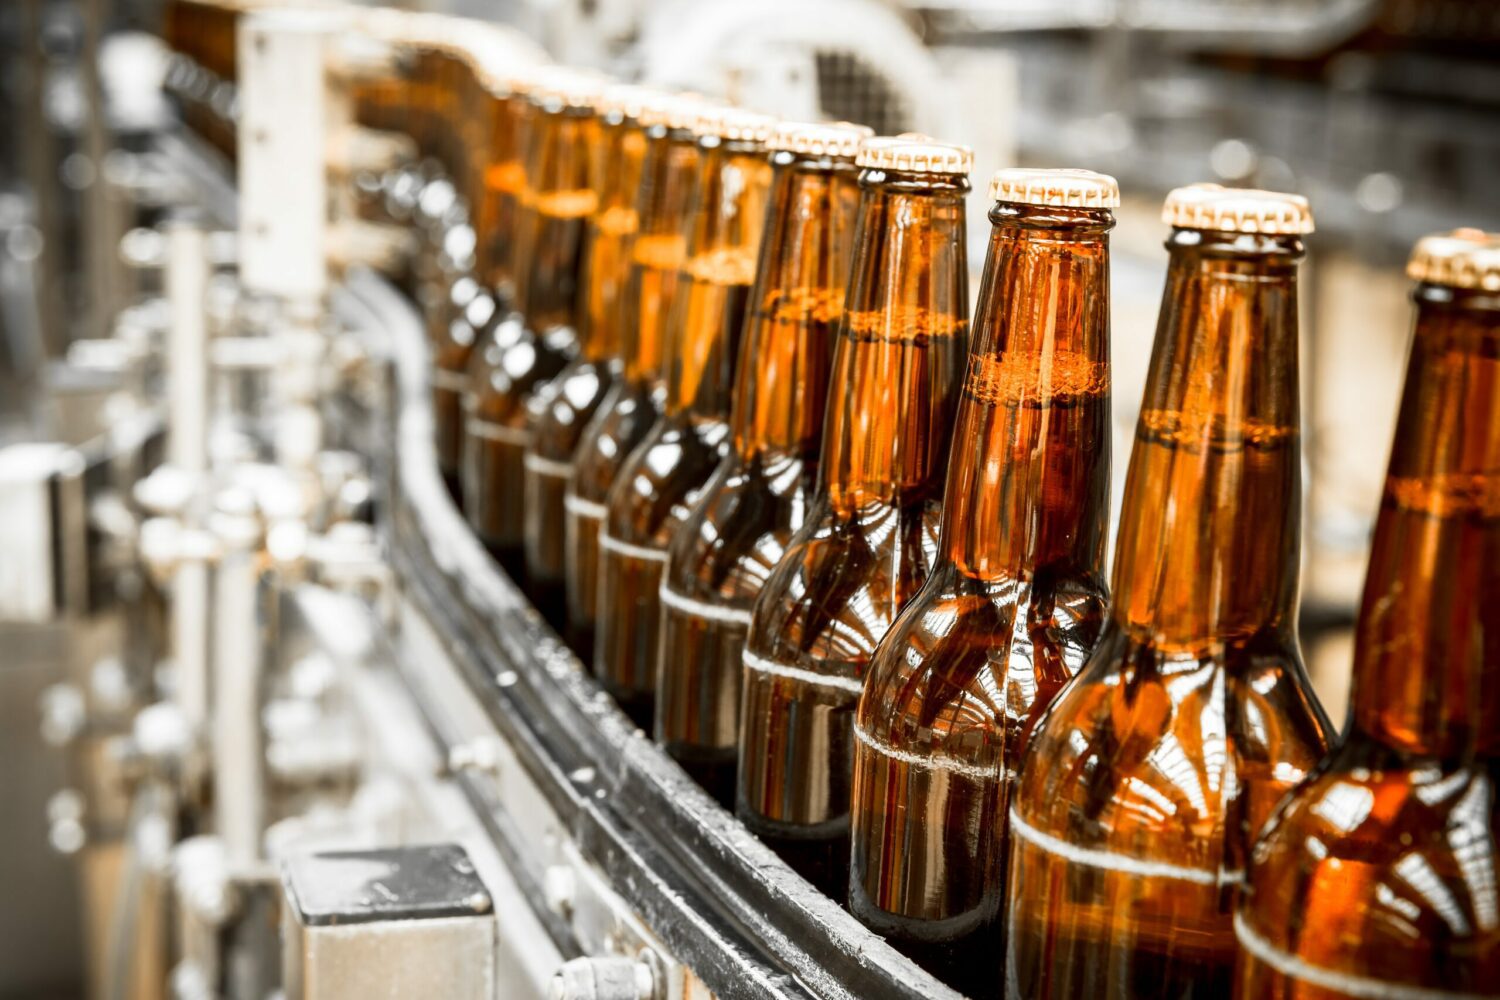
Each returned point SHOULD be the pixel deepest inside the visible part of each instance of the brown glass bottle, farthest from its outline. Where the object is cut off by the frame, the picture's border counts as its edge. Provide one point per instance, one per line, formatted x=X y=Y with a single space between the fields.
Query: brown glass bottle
x=1145 y=781
x=564 y=406
x=1016 y=598
x=1378 y=877
x=531 y=345
x=756 y=498
x=657 y=484
x=669 y=174
x=464 y=312
x=866 y=544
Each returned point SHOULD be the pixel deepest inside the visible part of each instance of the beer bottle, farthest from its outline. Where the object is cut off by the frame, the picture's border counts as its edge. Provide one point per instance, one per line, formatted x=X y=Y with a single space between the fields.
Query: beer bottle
x=531 y=345
x=469 y=305
x=1378 y=876
x=566 y=404
x=1146 y=779
x=756 y=498
x=870 y=535
x=669 y=174
x=1016 y=598
x=659 y=481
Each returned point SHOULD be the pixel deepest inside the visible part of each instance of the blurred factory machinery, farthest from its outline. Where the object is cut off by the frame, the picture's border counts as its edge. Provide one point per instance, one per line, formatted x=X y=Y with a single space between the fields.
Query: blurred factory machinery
x=255 y=662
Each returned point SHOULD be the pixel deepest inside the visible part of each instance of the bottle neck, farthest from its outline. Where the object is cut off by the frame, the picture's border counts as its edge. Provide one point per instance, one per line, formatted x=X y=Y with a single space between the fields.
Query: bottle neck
x=669 y=175
x=1427 y=651
x=561 y=199
x=1029 y=487
x=900 y=349
x=617 y=177
x=703 y=334
x=781 y=393
x=1210 y=527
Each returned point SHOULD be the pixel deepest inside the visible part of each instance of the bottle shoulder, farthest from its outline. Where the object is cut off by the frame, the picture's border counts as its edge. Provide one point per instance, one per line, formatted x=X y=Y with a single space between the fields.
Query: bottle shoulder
x=660 y=479
x=1383 y=870
x=842 y=582
x=967 y=653
x=1171 y=757
x=565 y=404
x=738 y=528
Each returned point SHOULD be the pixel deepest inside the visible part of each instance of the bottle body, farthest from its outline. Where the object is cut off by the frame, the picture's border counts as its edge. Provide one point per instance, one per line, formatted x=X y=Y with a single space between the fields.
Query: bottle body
x=565 y=405
x=633 y=403
x=1132 y=815
x=871 y=534
x=661 y=479
x=476 y=301
x=1377 y=877
x=530 y=346
x=759 y=494
x=1011 y=610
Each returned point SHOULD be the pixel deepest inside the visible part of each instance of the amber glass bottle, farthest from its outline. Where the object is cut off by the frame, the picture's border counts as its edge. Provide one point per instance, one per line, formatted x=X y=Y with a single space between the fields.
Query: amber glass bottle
x=661 y=478
x=563 y=407
x=1145 y=781
x=468 y=307
x=1378 y=878
x=1016 y=598
x=669 y=174
x=756 y=499
x=531 y=345
x=866 y=544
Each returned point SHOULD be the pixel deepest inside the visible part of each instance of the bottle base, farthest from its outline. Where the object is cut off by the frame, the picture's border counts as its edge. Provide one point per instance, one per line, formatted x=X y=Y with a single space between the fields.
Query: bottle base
x=712 y=768
x=822 y=860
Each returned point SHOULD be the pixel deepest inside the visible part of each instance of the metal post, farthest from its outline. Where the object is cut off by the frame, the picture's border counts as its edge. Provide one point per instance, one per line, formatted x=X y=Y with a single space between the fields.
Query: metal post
x=237 y=745
x=187 y=448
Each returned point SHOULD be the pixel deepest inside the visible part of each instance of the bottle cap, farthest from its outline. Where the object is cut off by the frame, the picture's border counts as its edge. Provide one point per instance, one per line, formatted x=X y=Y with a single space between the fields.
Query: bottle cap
x=1063 y=187
x=572 y=88
x=627 y=99
x=735 y=124
x=1464 y=258
x=1237 y=210
x=672 y=110
x=837 y=139
x=914 y=153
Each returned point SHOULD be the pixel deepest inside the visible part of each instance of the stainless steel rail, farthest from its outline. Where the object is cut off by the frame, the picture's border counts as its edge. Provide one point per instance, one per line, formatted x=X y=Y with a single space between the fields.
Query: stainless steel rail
x=719 y=900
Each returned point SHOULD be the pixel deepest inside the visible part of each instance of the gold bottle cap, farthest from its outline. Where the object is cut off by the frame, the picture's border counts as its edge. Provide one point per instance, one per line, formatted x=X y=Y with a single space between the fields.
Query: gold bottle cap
x=672 y=110
x=1237 y=210
x=836 y=139
x=914 y=153
x=1464 y=258
x=1063 y=187
x=627 y=99
x=572 y=88
x=735 y=124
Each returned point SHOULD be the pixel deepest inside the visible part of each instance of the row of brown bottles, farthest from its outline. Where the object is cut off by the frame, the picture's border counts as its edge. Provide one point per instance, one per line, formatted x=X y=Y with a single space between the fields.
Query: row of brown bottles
x=1144 y=783
x=899 y=660
x=663 y=207
x=869 y=537
x=1015 y=599
x=759 y=494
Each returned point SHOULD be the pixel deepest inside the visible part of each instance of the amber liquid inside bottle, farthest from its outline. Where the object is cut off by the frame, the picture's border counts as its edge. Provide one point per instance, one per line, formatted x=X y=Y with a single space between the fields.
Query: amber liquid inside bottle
x=566 y=404
x=1011 y=610
x=865 y=547
x=1378 y=877
x=529 y=347
x=669 y=176
x=758 y=495
x=658 y=483
x=1145 y=781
